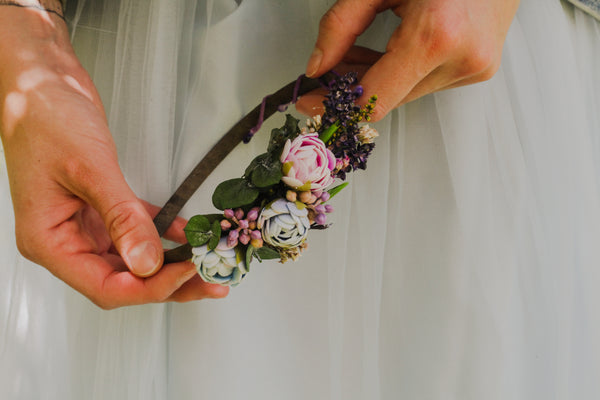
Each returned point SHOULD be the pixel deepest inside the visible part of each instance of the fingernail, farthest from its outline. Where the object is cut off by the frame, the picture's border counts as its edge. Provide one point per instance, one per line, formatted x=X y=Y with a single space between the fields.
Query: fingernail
x=314 y=62
x=144 y=259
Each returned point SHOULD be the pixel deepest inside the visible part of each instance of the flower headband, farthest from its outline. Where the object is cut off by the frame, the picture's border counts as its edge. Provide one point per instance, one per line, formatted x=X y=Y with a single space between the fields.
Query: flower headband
x=285 y=192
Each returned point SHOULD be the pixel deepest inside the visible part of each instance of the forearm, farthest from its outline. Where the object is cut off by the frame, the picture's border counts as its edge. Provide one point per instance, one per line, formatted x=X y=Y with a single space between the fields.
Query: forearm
x=51 y=6
x=36 y=58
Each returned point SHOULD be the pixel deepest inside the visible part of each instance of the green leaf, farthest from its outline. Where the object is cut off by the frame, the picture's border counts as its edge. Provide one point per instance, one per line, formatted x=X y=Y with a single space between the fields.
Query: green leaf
x=333 y=191
x=249 y=254
x=213 y=242
x=267 y=253
x=326 y=135
x=198 y=230
x=216 y=235
x=279 y=136
x=254 y=163
x=264 y=171
x=291 y=125
x=234 y=193
x=267 y=174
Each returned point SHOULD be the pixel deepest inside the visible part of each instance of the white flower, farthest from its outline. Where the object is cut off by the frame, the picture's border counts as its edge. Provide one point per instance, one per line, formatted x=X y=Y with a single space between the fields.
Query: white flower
x=367 y=134
x=221 y=265
x=283 y=224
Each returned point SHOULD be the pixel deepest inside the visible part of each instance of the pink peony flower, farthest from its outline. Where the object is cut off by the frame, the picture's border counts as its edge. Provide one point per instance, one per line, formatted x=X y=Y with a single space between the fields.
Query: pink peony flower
x=307 y=163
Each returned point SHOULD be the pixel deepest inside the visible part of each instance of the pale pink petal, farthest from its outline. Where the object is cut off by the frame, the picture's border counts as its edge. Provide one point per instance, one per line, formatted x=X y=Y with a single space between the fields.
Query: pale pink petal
x=286 y=150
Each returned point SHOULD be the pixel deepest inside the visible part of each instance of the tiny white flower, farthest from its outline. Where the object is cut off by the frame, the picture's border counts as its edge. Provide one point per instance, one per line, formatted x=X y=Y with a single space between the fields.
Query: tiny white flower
x=367 y=134
x=221 y=265
x=283 y=224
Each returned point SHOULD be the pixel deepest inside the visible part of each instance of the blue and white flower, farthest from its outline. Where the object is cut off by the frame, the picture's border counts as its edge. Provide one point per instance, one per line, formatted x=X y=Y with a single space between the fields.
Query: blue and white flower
x=223 y=265
x=283 y=224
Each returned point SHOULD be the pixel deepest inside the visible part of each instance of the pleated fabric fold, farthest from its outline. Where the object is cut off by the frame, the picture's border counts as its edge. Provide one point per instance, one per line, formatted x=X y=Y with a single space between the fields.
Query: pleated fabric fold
x=462 y=264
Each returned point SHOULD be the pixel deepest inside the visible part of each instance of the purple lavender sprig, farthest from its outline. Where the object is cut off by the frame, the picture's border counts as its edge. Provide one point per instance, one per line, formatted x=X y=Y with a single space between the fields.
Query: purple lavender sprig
x=343 y=116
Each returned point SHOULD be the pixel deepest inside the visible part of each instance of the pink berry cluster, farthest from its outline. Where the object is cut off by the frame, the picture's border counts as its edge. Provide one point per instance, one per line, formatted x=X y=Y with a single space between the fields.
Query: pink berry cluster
x=242 y=227
x=314 y=203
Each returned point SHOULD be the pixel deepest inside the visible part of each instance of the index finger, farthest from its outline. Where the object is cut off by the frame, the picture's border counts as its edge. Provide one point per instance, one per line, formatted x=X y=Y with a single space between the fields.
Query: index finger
x=338 y=30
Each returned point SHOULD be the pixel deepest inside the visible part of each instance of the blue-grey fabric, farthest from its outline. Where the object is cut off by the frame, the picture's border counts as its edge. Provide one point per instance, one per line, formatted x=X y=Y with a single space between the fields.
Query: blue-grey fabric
x=590 y=6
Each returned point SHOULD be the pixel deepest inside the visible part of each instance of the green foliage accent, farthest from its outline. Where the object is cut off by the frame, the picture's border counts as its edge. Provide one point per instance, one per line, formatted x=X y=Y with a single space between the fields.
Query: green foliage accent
x=333 y=191
x=216 y=231
x=287 y=167
x=234 y=193
x=262 y=253
x=266 y=253
x=199 y=231
x=328 y=133
x=300 y=205
x=279 y=135
x=304 y=188
x=264 y=171
x=249 y=253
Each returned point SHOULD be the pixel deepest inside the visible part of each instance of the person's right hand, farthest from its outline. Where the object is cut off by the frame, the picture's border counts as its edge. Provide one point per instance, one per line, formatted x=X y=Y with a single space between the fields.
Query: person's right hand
x=440 y=44
x=74 y=212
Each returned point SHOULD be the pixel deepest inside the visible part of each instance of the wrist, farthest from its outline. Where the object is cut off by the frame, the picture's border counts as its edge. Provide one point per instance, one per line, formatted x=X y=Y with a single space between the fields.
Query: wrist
x=30 y=37
x=56 y=7
x=38 y=66
x=33 y=40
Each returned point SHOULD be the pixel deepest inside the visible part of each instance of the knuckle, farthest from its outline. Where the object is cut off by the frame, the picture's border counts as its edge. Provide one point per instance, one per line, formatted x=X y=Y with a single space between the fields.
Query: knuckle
x=101 y=300
x=76 y=169
x=23 y=246
x=27 y=245
x=122 y=219
x=331 y=20
x=336 y=21
x=440 y=39
x=103 y=304
x=480 y=62
x=157 y=296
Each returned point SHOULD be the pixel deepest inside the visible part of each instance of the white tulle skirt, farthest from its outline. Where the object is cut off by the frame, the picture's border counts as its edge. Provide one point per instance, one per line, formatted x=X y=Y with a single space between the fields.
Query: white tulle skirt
x=463 y=264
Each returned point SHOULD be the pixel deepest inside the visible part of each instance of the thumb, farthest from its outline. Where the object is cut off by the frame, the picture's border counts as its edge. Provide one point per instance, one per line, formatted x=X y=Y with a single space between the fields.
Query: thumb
x=128 y=223
x=338 y=30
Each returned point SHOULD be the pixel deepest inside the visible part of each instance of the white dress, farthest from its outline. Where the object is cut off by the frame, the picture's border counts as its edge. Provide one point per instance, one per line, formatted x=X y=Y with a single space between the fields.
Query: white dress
x=463 y=264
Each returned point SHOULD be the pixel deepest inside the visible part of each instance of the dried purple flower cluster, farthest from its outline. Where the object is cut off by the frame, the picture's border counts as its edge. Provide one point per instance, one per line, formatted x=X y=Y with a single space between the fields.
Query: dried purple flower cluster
x=241 y=227
x=341 y=110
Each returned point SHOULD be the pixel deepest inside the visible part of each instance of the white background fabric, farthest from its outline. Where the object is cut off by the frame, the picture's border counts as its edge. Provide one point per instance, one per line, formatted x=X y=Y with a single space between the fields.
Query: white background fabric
x=463 y=264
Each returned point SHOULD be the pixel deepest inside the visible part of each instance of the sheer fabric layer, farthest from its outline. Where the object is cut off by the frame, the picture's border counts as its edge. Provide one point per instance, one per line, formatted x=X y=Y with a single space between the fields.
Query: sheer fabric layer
x=461 y=264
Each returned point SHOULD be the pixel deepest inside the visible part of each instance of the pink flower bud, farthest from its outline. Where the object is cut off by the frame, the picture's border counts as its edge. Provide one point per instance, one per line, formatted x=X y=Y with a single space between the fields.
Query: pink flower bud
x=239 y=213
x=253 y=214
x=243 y=224
x=225 y=225
x=325 y=196
x=321 y=219
x=255 y=235
x=228 y=213
x=320 y=209
x=232 y=238
x=328 y=208
x=244 y=238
